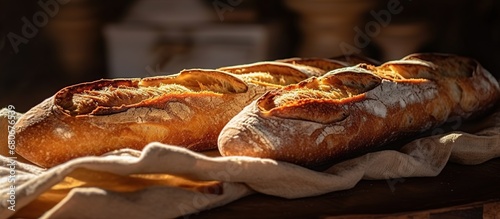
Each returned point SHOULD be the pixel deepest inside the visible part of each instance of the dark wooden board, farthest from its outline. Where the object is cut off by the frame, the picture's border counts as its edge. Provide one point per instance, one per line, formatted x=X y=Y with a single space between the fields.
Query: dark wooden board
x=457 y=185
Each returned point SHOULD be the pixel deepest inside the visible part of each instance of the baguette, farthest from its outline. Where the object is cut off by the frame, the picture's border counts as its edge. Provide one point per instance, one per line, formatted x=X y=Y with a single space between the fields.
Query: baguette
x=187 y=109
x=331 y=64
x=356 y=109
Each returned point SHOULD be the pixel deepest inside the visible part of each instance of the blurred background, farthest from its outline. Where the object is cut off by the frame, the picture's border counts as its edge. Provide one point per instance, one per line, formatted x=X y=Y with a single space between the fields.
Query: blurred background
x=46 y=45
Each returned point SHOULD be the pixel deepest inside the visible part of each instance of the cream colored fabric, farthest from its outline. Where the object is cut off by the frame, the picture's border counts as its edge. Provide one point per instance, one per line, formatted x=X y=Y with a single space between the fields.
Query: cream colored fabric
x=166 y=181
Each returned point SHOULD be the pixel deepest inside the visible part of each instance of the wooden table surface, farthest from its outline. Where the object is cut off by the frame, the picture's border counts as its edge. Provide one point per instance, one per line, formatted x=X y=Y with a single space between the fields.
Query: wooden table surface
x=460 y=191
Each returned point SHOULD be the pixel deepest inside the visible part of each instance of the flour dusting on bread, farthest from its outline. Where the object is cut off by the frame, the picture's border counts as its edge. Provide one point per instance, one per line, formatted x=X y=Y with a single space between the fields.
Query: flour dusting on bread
x=187 y=109
x=353 y=109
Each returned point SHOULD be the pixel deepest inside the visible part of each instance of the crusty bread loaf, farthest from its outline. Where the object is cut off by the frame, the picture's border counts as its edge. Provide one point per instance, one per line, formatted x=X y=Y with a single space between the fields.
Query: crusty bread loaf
x=187 y=109
x=359 y=108
x=331 y=64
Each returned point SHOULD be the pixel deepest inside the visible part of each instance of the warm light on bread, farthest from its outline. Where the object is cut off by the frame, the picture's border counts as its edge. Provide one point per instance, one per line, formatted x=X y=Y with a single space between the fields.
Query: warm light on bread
x=354 y=109
x=187 y=109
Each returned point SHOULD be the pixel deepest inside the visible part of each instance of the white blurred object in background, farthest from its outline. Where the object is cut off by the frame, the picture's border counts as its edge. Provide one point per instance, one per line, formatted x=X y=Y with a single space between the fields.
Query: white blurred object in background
x=163 y=37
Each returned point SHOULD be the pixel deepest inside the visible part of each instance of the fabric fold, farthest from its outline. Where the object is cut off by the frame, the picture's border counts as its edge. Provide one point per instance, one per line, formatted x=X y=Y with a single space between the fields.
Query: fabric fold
x=168 y=181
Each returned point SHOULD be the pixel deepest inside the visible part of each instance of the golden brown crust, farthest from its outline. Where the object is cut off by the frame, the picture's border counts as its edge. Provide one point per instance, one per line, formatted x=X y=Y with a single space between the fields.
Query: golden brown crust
x=357 y=108
x=97 y=117
x=355 y=59
x=295 y=70
x=324 y=64
x=330 y=64
x=187 y=109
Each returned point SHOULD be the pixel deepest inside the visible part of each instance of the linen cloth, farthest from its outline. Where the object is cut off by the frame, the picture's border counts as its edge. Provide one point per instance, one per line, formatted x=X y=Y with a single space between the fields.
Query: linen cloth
x=164 y=181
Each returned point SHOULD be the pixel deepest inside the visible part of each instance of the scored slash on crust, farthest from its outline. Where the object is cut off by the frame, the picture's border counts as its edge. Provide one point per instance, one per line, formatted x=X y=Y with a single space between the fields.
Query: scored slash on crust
x=373 y=105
